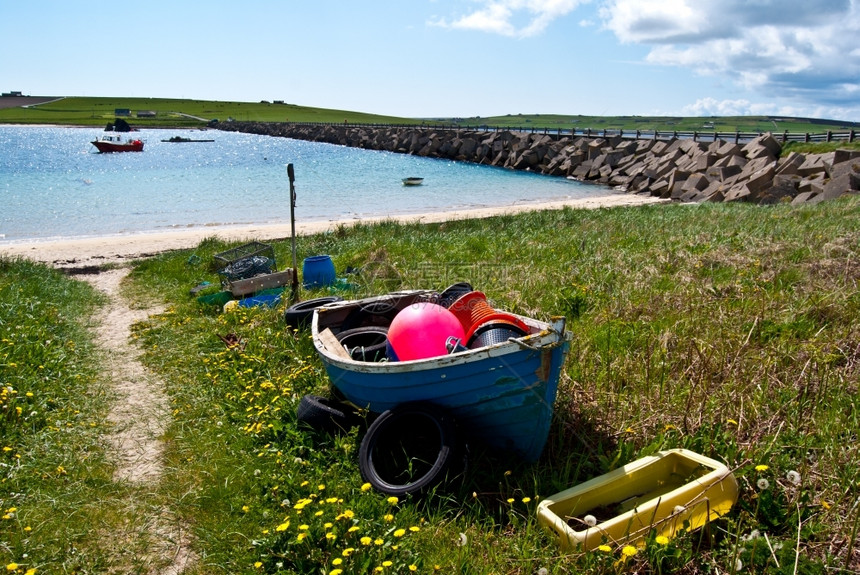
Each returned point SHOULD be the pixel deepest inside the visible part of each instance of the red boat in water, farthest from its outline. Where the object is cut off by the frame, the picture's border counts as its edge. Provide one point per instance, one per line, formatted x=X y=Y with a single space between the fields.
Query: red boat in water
x=115 y=143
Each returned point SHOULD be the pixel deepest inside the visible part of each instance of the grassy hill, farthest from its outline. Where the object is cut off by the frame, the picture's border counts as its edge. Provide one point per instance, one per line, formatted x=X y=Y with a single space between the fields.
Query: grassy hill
x=190 y=113
x=178 y=113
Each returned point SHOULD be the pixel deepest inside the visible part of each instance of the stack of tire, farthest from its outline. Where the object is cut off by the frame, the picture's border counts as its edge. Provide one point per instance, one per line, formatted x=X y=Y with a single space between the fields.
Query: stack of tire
x=407 y=450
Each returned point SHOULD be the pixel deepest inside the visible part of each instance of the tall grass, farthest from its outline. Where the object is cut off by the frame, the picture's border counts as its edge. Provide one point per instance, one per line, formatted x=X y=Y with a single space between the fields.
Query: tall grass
x=726 y=329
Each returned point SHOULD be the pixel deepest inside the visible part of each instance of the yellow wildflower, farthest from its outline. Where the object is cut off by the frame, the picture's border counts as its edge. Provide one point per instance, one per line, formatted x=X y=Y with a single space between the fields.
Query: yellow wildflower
x=400 y=532
x=761 y=467
x=605 y=548
x=629 y=551
x=662 y=540
x=366 y=487
x=392 y=500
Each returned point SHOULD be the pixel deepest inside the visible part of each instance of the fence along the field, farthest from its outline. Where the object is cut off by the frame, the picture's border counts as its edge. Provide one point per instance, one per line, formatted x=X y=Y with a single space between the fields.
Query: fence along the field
x=699 y=136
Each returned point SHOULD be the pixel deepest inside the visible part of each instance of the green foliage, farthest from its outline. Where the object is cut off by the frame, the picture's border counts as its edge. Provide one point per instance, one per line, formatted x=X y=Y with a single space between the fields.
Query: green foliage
x=725 y=329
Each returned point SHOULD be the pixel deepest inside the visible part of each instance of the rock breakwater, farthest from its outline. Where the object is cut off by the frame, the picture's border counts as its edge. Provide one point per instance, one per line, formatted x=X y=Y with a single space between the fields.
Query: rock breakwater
x=679 y=169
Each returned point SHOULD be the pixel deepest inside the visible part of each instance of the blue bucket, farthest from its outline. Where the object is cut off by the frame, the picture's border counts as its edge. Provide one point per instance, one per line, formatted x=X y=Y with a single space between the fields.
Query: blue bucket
x=318 y=271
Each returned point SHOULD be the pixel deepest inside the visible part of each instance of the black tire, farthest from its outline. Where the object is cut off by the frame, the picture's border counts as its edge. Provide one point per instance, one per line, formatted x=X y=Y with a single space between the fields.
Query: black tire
x=454 y=292
x=379 y=313
x=408 y=449
x=327 y=415
x=368 y=343
x=299 y=315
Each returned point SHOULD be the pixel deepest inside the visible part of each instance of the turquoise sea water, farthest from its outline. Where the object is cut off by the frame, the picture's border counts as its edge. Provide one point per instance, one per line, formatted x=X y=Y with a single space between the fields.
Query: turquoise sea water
x=54 y=184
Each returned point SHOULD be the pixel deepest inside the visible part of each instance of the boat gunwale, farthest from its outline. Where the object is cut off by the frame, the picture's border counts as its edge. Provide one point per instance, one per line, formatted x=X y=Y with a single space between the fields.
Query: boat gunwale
x=548 y=337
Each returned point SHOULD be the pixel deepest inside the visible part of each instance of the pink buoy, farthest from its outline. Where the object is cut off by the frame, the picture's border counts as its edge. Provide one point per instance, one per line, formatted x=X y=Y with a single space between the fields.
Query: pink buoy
x=421 y=331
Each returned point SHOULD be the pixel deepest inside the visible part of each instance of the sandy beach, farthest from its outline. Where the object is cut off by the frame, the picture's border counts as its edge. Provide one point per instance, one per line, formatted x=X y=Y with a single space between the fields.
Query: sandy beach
x=95 y=251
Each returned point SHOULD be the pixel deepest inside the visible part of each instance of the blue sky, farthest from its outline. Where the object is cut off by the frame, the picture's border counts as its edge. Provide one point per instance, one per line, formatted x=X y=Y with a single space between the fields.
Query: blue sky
x=444 y=58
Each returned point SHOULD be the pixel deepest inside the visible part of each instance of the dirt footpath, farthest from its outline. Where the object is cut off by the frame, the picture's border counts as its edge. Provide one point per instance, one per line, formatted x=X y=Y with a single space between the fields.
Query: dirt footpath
x=139 y=416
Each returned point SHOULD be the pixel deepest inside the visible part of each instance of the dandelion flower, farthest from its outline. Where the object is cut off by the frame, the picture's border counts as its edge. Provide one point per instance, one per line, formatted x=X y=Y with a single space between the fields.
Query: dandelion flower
x=388 y=517
x=12 y=567
x=366 y=540
x=526 y=499
x=258 y=564
x=463 y=541
x=511 y=499
x=413 y=567
x=629 y=551
x=335 y=572
x=387 y=563
x=543 y=571
x=793 y=477
x=414 y=529
x=378 y=541
x=761 y=468
x=590 y=520
x=825 y=504
x=366 y=487
x=763 y=483
x=283 y=526
x=392 y=500
x=400 y=532
x=348 y=551
x=662 y=540
x=605 y=548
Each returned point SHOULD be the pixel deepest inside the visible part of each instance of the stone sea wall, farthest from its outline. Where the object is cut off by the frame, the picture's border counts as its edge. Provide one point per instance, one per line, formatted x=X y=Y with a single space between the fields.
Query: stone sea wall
x=680 y=169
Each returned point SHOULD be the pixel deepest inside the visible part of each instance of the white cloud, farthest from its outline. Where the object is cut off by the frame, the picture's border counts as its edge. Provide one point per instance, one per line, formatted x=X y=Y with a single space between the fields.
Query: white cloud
x=743 y=107
x=514 y=18
x=803 y=51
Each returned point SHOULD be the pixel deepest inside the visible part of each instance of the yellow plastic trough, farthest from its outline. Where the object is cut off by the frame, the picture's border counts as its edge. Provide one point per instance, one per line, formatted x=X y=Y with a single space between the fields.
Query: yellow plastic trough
x=672 y=490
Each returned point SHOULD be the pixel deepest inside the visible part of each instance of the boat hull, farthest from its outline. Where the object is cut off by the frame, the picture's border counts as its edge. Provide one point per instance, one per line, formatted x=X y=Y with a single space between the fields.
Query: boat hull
x=500 y=395
x=110 y=147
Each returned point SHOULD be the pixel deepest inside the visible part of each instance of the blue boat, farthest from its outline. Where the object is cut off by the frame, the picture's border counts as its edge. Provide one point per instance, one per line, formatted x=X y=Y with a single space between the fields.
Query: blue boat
x=501 y=395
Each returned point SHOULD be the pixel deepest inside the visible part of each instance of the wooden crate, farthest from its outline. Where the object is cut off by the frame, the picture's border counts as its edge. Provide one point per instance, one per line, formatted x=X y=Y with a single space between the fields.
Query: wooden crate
x=259 y=283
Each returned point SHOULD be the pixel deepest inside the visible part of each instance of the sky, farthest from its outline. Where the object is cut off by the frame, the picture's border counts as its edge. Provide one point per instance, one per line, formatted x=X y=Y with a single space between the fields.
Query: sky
x=448 y=58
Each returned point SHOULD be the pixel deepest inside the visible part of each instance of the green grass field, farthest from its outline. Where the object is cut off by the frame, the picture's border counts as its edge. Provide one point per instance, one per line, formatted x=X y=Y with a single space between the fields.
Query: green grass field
x=182 y=113
x=727 y=329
